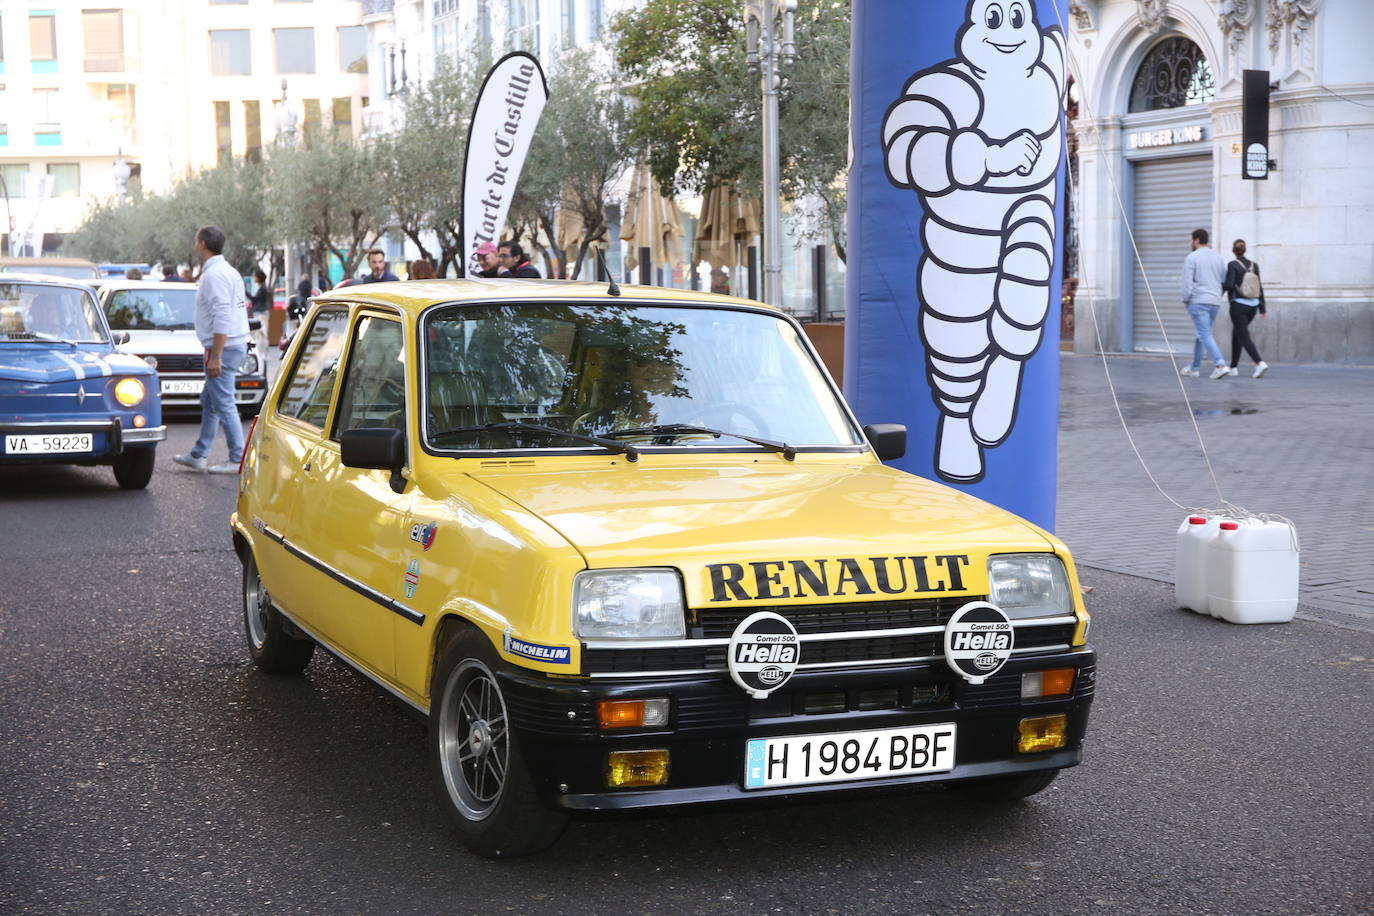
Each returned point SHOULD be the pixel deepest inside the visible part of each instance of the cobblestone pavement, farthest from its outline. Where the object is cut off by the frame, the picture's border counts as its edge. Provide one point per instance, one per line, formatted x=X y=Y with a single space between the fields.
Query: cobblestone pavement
x=1298 y=443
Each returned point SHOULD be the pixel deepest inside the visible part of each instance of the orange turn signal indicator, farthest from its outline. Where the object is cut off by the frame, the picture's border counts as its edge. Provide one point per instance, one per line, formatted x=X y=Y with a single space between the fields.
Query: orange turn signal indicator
x=1052 y=682
x=632 y=713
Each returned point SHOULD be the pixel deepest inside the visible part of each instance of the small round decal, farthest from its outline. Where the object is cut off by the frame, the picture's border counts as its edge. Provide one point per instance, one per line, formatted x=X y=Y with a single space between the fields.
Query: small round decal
x=764 y=651
x=978 y=641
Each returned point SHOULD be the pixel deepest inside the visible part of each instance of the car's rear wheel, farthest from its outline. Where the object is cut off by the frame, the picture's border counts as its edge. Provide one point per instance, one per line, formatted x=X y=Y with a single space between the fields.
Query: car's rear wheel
x=134 y=468
x=272 y=648
x=479 y=769
x=1006 y=788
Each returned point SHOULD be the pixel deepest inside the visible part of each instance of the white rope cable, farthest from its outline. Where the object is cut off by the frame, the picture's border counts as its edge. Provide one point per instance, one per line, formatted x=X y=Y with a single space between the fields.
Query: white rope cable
x=1223 y=505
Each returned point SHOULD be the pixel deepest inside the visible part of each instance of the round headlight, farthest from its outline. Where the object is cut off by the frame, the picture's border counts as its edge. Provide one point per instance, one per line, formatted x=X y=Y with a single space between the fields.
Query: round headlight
x=128 y=391
x=151 y=360
x=250 y=365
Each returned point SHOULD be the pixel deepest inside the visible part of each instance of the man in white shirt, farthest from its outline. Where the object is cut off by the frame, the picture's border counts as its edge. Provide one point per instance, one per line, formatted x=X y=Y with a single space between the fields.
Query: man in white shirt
x=222 y=326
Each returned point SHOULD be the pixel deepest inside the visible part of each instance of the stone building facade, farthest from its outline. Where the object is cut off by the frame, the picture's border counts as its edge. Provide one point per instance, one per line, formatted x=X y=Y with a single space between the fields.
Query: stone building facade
x=1159 y=154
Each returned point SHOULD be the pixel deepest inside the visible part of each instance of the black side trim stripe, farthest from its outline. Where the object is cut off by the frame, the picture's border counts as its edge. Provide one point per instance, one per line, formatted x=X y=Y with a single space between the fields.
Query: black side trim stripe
x=390 y=604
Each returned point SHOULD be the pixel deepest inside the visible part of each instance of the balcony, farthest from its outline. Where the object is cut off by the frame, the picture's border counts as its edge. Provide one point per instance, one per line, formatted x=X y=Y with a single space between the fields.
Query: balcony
x=378 y=8
x=110 y=62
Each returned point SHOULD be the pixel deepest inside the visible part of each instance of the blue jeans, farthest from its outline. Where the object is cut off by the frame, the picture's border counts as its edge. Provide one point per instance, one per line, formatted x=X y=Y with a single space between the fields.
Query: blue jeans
x=217 y=407
x=1203 y=317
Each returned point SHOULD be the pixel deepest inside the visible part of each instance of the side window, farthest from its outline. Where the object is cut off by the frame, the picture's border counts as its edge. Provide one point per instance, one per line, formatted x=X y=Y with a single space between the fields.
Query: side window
x=307 y=393
x=374 y=382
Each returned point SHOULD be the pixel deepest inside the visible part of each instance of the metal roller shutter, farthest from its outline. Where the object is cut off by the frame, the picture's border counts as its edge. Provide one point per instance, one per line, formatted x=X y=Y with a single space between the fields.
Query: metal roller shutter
x=1172 y=198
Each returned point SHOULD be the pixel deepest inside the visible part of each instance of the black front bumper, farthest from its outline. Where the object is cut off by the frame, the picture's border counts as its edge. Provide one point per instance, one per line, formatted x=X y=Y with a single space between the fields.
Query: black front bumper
x=711 y=721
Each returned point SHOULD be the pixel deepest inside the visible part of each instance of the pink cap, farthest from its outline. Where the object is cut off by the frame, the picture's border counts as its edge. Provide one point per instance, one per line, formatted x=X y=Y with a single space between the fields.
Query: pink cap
x=486 y=248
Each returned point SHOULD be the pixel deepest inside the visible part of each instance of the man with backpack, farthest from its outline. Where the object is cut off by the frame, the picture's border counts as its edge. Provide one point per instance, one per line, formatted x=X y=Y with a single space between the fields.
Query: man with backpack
x=1242 y=286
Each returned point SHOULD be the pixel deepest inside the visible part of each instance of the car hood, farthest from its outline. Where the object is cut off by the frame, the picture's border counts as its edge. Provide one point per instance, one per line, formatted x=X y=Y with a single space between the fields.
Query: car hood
x=180 y=343
x=26 y=363
x=777 y=534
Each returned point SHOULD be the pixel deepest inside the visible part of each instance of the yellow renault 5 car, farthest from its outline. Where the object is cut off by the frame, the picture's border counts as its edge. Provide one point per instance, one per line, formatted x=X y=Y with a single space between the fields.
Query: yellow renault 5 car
x=631 y=549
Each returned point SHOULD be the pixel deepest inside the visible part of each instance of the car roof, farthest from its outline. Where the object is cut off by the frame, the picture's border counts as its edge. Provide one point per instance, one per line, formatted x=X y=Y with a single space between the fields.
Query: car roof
x=119 y=283
x=46 y=279
x=55 y=262
x=416 y=295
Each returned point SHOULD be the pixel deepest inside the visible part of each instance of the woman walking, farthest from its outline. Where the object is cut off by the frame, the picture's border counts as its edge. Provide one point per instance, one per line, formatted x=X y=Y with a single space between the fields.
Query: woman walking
x=1247 y=297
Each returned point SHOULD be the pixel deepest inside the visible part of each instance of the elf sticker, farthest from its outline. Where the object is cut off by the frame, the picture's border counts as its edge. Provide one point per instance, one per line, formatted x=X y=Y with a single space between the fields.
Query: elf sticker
x=764 y=652
x=978 y=641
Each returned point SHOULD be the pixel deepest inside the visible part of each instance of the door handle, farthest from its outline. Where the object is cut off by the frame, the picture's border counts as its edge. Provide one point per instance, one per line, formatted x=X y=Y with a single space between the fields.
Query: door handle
x=307 y=466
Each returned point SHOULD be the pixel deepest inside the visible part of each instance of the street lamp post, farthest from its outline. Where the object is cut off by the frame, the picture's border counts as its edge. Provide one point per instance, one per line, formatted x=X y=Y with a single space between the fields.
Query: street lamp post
x=286 y=136
x=763 y=50
x=121 y=173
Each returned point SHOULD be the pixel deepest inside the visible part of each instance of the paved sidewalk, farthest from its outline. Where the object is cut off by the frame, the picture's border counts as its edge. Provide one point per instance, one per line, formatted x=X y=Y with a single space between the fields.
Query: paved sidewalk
x=1298 y=443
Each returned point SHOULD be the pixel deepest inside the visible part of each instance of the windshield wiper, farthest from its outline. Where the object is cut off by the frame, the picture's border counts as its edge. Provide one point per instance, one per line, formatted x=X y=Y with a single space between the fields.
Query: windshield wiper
x=43 y=335
x=685 y=429
x=629 y=451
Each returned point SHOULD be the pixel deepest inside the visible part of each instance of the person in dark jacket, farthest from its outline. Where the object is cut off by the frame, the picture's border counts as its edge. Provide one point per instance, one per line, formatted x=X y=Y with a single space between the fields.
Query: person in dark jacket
x=378 y=273
x=489 y=259
x=262 y=296
x=1247 y=298
x=514 y=262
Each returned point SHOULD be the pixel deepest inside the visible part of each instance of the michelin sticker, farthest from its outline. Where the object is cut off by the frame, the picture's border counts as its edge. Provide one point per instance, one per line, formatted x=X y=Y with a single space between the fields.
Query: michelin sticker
x=764 y=653
x=552 y=655
x=978 y=641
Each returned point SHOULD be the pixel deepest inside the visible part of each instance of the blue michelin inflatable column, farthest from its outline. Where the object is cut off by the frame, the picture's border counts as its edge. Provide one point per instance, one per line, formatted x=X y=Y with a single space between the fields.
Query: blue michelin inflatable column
x=955 y=225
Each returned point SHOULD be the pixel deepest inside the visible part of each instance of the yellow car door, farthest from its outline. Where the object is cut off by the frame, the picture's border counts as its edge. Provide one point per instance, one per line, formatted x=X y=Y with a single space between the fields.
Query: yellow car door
x=276 y=470
x=356 y=523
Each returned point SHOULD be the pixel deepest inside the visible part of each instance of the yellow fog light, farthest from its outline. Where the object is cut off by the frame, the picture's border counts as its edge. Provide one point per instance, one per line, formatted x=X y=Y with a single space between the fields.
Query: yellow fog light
x=1043 y=733
x=1052 y=682
x=128 y=391
x=636 y=768
x=140 y=421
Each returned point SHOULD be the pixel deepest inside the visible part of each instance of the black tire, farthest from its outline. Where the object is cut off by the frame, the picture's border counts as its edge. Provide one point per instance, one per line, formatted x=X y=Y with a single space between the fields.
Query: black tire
x=1006 y=788
x=479 y=769
x=134 y=468
x=272 y=648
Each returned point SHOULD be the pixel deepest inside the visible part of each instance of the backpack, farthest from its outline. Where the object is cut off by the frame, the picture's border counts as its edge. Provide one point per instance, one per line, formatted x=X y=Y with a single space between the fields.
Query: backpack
x=1250 y=283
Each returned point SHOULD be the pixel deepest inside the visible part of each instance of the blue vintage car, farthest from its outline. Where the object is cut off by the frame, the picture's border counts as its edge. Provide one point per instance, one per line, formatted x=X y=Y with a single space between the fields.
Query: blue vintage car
x=67 y=395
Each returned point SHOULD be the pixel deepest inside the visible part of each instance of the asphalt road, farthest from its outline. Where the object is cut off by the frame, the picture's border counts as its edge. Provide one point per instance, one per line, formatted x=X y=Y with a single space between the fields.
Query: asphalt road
x=146 y=768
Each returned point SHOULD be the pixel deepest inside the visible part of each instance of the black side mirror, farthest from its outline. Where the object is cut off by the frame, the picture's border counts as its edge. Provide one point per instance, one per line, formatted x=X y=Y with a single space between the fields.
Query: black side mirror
x=379 y=448
x=888 y=440
x=121 y=338
x=255 y=324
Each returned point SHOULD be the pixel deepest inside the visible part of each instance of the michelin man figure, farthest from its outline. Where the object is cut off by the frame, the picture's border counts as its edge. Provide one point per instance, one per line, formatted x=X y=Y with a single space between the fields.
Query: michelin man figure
x=979 y=138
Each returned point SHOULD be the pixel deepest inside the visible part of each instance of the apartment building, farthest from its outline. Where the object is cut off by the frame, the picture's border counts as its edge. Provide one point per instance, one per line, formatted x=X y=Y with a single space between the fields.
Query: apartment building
x=407 y=37
x=166 y=86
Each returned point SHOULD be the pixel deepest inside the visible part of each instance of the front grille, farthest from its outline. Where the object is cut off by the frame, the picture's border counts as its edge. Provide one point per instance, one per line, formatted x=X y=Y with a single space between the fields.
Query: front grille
x=719 y=623
x=181 y=363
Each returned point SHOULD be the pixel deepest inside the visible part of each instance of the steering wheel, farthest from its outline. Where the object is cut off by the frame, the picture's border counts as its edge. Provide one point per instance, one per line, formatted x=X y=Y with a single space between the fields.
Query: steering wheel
x=726 y=416
x=601 y=420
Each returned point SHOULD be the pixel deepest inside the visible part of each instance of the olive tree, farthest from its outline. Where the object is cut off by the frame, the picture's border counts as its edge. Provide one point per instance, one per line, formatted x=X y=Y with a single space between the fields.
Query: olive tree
x=698 y=102
x=324 y=196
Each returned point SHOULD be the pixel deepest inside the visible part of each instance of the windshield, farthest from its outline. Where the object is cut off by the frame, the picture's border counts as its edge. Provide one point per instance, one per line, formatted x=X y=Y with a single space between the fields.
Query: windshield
x=70 y=271
x=33 y=311
x=597 y=370
x=153 y=309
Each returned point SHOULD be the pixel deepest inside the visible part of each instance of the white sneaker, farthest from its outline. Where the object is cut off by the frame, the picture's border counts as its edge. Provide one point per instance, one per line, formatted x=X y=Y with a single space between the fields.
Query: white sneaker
x=1189 y=371
x=1221 y=372
x=1260 y=369
x=1234 y=372
x=191 y=461
x=228 y=467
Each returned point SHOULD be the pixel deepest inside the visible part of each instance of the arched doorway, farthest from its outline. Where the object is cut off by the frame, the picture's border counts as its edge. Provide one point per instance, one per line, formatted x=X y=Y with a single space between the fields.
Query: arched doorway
x=1166 y=132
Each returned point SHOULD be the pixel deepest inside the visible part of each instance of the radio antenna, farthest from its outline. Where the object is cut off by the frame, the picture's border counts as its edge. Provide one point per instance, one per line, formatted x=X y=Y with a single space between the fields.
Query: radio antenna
x=613 y=289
